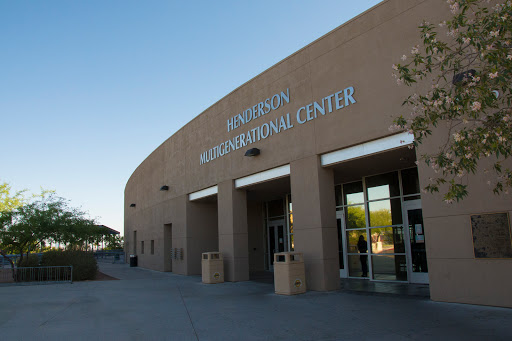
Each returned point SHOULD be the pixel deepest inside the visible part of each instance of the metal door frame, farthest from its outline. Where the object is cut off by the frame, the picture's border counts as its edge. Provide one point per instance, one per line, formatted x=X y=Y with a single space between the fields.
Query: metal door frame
x=413 y=277
x=275 y=224
x=341 y=215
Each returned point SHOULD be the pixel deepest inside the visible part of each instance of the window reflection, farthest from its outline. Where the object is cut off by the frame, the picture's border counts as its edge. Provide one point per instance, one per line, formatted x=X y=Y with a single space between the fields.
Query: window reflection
x=385 y=212
x=376 y=215
x=355 y=265
x=379 y=192
x=382 y=186
x=353 y=238
x=353 y=193
x=290 y=219
x=355 y=217
x=389 y=268
x=387 y=240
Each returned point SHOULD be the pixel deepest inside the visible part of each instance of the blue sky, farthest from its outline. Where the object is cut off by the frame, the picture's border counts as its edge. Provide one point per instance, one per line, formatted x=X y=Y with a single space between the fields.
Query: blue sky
x=88 y=89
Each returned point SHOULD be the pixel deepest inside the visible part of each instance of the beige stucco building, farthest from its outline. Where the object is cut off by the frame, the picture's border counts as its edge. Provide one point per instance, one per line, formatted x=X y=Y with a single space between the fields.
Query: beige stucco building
x=328 y=173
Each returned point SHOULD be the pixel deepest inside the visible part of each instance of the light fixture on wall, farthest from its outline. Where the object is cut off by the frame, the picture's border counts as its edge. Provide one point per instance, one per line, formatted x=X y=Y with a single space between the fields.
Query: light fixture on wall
x=132 y=205
x=164 y=188
x=252 y=152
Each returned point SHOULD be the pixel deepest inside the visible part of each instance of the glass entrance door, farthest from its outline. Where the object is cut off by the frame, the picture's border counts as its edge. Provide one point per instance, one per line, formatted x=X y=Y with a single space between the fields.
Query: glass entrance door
x=277 y=239
x=417 y=253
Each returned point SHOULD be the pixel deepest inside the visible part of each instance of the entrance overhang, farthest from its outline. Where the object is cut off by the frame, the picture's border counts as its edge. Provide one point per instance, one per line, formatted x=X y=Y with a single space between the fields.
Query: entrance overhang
x=367 y=148
x=267 y=175
x=203 y=193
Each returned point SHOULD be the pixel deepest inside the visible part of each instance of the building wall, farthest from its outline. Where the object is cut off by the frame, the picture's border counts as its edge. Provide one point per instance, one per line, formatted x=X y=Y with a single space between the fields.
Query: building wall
x=255 y=221
x=358 y=54
x=455 y=274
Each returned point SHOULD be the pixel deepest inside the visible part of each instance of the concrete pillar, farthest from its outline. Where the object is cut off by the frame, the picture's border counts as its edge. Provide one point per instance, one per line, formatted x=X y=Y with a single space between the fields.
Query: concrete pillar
x=233 y=232
x=202 y=233
x=314 y=222
x=178 y=218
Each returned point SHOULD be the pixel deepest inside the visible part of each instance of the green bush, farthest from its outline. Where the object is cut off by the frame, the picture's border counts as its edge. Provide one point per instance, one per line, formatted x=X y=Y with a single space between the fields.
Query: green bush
x=84 y=264
x=30 y=261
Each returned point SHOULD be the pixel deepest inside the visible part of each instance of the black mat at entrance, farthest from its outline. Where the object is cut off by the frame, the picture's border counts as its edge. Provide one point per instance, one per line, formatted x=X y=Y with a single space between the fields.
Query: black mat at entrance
x=401 y=289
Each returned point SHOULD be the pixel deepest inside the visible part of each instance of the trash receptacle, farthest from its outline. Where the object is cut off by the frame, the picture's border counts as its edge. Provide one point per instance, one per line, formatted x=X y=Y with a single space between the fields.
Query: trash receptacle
x=133 y=261
x=289 y=273
x=212 y=266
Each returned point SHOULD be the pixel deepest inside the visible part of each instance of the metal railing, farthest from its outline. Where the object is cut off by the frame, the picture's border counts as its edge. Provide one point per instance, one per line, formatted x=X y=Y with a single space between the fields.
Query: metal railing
x=37 y=275
x=113 y=256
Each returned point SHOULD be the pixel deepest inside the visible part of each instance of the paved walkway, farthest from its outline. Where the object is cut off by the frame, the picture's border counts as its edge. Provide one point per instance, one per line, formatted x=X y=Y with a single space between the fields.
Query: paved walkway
x=149 y=305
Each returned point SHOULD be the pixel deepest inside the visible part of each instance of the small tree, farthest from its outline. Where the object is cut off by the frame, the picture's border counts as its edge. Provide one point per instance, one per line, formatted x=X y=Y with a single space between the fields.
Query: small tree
x=114 y=242
x=8 y=200
x=470 y=70
x=49 y=218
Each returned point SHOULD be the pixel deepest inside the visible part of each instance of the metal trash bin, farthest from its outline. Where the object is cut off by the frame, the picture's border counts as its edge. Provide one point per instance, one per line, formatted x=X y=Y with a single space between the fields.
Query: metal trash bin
x=289 y=273
x=212 y=267
x=133 y=261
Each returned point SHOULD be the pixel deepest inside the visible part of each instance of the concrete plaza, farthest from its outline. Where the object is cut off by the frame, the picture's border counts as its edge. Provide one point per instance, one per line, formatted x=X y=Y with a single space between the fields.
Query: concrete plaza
x=149 y=305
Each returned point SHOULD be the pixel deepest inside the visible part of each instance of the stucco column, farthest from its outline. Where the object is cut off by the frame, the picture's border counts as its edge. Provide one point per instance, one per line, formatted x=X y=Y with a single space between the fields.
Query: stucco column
x=314 y=222
x=233 y=232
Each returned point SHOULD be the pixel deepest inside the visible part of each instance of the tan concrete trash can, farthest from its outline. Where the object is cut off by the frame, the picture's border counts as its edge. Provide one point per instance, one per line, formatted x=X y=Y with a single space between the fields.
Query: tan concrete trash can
x=212 y=266
x=289 y=273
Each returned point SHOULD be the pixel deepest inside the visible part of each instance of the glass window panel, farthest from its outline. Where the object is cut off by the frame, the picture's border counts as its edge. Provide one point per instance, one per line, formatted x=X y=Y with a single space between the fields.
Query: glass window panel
x=355 y=217
x=410 y=181
x=353 y=193
x=353 y=238
x=282 y=242
x=414 y=197
x=275 y=219
x=337 y=193
x=389 y=268
x=385 y=212
x=382 y=186
x=275 y=208
x=357 y=264
x=387 y=240
x=290 y=212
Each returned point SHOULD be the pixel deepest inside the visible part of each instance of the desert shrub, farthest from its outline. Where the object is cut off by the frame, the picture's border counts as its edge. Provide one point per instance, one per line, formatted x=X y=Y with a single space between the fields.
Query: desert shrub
x=30 y=261
x=84 y=264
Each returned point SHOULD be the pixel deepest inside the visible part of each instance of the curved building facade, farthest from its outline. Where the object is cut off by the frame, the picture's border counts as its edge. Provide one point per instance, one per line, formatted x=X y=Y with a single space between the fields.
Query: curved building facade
x=301 y=158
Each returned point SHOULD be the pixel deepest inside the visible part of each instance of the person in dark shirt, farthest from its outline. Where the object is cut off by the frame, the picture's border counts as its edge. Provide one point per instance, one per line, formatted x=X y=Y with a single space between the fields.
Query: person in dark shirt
x=363 y=248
